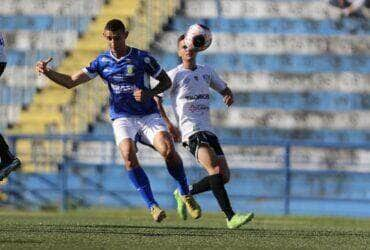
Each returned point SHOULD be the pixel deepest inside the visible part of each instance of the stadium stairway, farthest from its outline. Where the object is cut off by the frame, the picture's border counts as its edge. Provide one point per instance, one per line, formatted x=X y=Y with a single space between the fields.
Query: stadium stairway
x=56 y=110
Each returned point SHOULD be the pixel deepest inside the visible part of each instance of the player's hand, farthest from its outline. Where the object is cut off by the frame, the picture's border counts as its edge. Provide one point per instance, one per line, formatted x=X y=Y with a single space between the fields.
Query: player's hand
x=346 y=12
x=41 y=66
x=142 y=95
x=175 y=132
x=228 y=99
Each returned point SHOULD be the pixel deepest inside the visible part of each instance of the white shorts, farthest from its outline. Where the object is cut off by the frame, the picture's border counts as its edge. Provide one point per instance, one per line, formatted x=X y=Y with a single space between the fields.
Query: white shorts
x=146 y=127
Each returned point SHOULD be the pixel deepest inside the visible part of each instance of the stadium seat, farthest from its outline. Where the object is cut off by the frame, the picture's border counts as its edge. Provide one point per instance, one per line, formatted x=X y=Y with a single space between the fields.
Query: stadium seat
x=55 y=109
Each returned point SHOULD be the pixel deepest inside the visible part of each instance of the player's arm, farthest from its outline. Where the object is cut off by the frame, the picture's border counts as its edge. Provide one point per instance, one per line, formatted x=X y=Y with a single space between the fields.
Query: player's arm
x=164 y=84
x=174 y=131
x=67 y=81
x=221 y=87
x=228 y=96
x=355 y=6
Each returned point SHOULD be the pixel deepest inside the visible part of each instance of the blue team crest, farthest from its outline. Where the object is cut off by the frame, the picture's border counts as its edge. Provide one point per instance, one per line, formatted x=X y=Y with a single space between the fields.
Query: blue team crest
x=107 y=71
x=130 y=70
x=105 y=59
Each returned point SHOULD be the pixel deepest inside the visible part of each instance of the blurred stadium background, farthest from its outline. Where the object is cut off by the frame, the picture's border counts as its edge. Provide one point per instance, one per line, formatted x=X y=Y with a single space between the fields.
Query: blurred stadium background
x=297 y=138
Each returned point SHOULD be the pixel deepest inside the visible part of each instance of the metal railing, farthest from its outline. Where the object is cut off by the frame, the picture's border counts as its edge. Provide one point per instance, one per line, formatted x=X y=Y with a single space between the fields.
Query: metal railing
x=74 y=181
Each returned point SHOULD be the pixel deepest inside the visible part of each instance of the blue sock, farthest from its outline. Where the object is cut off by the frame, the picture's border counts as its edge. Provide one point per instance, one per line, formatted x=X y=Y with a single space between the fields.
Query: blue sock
x=141 y=182
x=178 y=173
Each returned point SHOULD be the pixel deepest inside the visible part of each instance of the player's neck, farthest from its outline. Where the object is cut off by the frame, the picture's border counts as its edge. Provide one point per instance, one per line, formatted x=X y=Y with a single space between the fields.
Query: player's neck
x=121 y=53
x=191 y=64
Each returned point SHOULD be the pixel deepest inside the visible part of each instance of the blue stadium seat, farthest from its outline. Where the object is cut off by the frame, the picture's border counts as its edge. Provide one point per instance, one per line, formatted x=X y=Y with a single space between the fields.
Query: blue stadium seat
x=22 y=58
x=239 y=136
x=276 y=26
x=43 y=22
x=16 y=95
x=276 y=63
x=308 y=101
x=266 y=134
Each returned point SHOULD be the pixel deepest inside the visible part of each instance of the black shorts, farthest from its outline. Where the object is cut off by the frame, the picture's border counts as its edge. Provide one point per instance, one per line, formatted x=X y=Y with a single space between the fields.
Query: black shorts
x=203 y=138
x=2 y=67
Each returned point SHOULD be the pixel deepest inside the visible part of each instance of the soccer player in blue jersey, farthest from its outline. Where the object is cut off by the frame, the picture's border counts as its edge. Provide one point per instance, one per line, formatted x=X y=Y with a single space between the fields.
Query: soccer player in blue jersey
x=9 y=162
x=126 y=71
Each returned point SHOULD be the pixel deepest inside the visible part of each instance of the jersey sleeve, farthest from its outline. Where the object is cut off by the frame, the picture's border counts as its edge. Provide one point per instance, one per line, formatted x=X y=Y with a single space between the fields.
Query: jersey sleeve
x=357 y=4
x=216 y=82
x=93 y=69
x=151 y=66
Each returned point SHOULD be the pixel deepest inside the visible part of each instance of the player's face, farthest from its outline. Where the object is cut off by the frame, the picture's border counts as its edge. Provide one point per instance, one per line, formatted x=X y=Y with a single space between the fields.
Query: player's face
x=185 y=53
x=116 y=40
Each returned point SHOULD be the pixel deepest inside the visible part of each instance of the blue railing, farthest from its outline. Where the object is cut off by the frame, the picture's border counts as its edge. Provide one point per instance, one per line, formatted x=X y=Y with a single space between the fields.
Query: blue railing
x=285 y=190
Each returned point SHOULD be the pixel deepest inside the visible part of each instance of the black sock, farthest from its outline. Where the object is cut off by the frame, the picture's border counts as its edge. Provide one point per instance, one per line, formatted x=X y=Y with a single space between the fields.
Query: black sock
x=219 y=191
x=201 y=186
x=5 y=155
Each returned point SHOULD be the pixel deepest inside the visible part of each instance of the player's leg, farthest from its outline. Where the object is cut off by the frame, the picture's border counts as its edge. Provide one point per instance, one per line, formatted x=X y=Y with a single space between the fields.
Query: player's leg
x=164 y=145
x=154 y=132
x=9 y=162
x=209 y=160
x=124 y=131
x=207 y=150
x=221 y=167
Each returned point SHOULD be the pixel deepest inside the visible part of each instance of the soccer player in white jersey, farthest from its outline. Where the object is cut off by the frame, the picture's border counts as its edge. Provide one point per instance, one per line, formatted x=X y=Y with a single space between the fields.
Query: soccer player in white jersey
x=133 y=111
x=190 y=98
x=9 y=162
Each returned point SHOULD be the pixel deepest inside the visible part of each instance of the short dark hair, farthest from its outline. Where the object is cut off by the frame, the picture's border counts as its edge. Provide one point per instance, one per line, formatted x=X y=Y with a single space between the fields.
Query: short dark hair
x=180 y=38
x=115 y=25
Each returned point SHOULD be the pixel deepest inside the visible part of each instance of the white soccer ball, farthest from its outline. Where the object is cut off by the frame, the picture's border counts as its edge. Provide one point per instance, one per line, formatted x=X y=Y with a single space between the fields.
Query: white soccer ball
x=198 y=37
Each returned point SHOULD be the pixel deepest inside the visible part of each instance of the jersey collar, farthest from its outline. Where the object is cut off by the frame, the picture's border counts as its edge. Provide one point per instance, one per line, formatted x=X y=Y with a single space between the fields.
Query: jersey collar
x=196 y=67
x=123 y=57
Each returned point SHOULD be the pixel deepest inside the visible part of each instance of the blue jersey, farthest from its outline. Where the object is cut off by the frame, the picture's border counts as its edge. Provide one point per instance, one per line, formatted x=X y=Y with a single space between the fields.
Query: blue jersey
x=123 y=76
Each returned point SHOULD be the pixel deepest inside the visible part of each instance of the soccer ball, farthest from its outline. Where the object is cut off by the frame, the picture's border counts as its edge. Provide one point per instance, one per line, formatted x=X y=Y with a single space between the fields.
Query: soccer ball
x=198 y=37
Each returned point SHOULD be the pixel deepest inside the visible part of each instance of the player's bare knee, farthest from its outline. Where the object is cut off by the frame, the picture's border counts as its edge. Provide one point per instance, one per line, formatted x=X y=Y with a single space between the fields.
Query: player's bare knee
x=128 y=153
x=130 y=160
x=163 y=145
x=169 y=152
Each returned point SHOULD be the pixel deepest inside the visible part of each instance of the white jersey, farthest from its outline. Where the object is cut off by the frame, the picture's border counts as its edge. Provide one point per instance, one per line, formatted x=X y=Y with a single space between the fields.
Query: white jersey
x=2 y=49
x=190 y=97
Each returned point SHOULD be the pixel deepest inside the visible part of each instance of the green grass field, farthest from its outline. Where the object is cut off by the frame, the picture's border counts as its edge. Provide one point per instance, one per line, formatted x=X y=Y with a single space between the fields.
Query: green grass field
x=132 y=229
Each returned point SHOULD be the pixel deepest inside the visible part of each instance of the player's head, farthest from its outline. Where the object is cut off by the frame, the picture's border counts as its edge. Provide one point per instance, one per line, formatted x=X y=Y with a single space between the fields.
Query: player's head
x=116 y=34
x=183 y=51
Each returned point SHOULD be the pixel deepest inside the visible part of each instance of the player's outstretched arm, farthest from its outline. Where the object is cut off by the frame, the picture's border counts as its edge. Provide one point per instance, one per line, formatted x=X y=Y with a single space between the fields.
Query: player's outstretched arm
x=228 y=96
x=68 y=81
x=174 y=131
x=164 y=84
